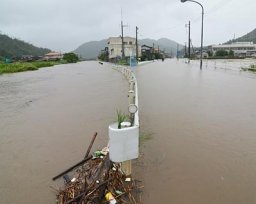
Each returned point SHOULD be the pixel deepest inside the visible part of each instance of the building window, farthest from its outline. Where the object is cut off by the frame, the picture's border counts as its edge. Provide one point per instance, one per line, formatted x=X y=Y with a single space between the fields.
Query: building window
x=125 y=43
x=130 y=43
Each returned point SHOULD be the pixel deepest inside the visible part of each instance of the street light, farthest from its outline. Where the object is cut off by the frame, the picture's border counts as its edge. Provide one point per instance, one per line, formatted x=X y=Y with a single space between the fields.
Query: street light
x=201 y=51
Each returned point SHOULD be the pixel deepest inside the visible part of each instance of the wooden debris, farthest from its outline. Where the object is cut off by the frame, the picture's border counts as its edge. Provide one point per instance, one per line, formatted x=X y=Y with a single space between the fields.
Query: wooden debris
x=93 y=179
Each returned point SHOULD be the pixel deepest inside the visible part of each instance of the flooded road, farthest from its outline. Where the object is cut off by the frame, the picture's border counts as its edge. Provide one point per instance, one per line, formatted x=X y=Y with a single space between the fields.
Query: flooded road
x=202 y=126
x=199 y=127
x=47 y=119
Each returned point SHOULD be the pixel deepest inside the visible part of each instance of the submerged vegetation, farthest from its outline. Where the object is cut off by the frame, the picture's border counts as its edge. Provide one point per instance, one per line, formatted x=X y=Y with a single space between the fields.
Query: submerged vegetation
x=30 y=63
x=252 y=68
x=25 y=66
x=123 y=62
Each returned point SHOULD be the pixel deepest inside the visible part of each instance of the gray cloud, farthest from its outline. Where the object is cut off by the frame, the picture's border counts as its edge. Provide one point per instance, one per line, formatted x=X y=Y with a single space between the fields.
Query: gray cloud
x=64 y=24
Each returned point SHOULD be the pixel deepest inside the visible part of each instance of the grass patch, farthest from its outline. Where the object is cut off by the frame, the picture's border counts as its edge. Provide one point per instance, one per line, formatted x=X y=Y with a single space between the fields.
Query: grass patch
x=25 y=66
x=121 y=117
x=123 y=62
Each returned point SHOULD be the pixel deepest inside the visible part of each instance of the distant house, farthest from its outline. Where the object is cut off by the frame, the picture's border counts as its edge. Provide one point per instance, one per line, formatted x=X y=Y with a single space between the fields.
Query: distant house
x=52 y=56
x=27 y=58
x=240 y=49
x=146 y=52
x=146 y=48
x=115 y=47
x=151 y=53
x=204 y=54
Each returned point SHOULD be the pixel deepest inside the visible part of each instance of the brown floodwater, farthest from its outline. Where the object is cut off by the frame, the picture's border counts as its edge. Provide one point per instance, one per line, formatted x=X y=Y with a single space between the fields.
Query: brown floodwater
x=199 y=130
x=47 y=119
x=201 y=127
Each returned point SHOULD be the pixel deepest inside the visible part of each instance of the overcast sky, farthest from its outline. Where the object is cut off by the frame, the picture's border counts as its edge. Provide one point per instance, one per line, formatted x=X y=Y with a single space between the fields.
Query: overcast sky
x=63 y=25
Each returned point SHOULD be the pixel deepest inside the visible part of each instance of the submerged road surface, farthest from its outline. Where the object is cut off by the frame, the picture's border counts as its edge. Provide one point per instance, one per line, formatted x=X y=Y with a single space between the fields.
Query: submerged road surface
x=202 y=126
x=47 y=119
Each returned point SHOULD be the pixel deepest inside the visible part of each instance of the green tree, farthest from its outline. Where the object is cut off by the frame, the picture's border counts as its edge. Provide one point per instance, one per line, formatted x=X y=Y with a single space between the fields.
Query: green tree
x=104 y=56
x=231 y=53
x=158 y=56
x=209 y=53
x=70 y=57
x=221 y=53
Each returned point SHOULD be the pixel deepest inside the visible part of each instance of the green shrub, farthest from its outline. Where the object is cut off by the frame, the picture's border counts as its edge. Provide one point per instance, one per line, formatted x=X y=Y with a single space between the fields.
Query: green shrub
x=71 y=57
x=221 y=53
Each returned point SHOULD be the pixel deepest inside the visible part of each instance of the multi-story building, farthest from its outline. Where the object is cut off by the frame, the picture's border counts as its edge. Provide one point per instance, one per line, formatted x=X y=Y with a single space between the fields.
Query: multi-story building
x=115 y=47
x=240 y=49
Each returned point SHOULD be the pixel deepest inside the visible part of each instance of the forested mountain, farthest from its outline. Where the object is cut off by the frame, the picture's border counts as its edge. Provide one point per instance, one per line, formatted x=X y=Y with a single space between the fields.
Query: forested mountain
x=249 y=37
x=10 y=47
x=91 y=50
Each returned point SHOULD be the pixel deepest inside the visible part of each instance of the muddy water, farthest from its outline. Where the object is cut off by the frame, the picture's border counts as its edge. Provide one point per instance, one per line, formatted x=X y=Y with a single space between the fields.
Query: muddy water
x=202 y=126
x=47 y=119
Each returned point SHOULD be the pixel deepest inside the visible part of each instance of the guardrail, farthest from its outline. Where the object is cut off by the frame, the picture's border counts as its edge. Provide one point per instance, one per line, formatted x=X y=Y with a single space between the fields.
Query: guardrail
x=124 y=142
x=130 y=76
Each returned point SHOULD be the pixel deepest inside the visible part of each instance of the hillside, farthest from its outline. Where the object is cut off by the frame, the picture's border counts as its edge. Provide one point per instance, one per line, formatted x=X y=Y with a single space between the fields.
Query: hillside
x=15 y=48
x=91 y=50
x=169 y=46
x=249 y=37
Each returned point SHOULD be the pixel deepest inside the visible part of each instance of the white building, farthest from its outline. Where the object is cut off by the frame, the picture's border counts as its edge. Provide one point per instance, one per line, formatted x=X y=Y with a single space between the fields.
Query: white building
x=240 y=49
x=115 y=47
x=53 y=56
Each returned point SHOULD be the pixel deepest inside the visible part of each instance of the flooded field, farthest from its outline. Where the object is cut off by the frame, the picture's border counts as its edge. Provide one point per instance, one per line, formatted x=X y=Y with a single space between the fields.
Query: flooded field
x=232 y=66
x=47 y=119
x=202 y=134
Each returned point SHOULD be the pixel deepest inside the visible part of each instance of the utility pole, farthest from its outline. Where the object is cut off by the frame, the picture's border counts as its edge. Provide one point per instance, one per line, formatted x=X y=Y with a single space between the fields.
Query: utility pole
x=189 y=40
x=122 y=32
x=153 y=55
x=122 y=37
x=177 y=55
x=185 y=53
x=137 y=51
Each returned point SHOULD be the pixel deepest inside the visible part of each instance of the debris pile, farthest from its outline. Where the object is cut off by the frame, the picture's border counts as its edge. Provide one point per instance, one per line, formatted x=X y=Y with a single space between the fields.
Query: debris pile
x=97 y=180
